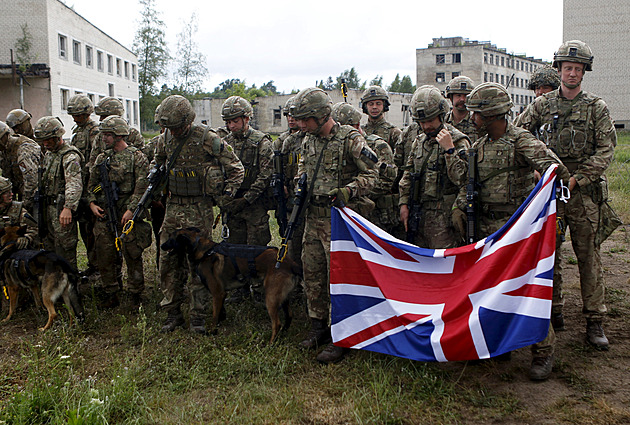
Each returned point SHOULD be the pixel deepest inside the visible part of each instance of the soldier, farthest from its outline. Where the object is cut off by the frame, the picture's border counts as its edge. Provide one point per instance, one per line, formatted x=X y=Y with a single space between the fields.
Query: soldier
x=340 y=169
x=437 y=164
x=577 y=126
x=196 y=159
x=289 y=145
x=247 y=215
x=543 y=80
x=385 y=212
x=459 y=117
x=506 y=156
x=107 y=107
x=12 y=213
x=126 y=169
x=61 y=188
x=20 y=122
x=375 y=102
x=20 y=162
x=83 y=138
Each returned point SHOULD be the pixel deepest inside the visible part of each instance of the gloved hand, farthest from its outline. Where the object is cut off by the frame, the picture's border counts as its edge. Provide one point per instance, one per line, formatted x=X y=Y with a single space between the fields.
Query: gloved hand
x=235 y=206
x=339 y=197
x=22 y=242
x=458 y=217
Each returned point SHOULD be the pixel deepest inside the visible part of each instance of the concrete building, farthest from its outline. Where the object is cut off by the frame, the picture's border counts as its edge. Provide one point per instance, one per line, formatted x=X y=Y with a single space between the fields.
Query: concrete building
x=447 y=58
x=68 y=56
x=268 y=110
x=605 y=29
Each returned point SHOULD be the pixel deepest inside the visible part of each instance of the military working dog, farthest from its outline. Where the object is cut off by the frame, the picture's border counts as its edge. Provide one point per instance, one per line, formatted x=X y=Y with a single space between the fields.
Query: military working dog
x=47 y=275
x=218 y=263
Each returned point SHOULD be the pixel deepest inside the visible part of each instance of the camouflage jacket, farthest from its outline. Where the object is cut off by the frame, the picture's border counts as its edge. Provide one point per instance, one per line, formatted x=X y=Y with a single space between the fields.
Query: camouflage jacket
x=441 y=173
x=128 y=169
x=505 y=169
x=20 y=161
x=579 y=131
x=254 y=149
x=347 y=162
x=205 y=166
x=14 y=214
x=84 y=138
x=384 y=129
x=63 y=175
x=290 y=145
x=387 y=170
x=403 y=147
x=466 y=125
x=134 y=139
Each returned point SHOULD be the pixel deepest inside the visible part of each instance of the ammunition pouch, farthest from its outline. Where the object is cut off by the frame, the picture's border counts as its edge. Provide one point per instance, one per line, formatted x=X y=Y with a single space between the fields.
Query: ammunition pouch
x=213 y=180
x=185 y=182
x=608 y=222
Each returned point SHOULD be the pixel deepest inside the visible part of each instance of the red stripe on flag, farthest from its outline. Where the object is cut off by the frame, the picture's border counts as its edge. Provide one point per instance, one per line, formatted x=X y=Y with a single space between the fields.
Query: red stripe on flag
x=372 y=331
x=533 y=291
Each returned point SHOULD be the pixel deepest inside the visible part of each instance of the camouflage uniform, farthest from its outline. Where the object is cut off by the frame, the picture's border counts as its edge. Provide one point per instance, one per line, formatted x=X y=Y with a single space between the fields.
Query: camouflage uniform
x=134 y=139
x=461 y=85
x=14 y=214
x=402 y=149
x=128 y=169
x=385 y=130
x=20 y=122
x=466 y=125
x=195 y=178
x=440 y=176
x=20 y=162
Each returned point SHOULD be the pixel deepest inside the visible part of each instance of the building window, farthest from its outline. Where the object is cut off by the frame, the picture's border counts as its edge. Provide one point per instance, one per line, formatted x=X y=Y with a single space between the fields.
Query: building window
x=527 y=67
x=99 y=61
x=502 y=79
x=502 y=61
x=497 y=78
x=89 y=57
x=133 y=72
x=485 y=77
x=527 y=82
x=485 y=58
x=522 y=65
x=277 y=117
x=110 y=89
x=65 y=94
x=513 y=100
x=439 y=59
x=457 y=58
x=456 y=74
x=118 y=67
x=491 y=77
x=126 y=70
x=63 y=46
x=76 y=51
x=128 y=110
x=91 y=97
x=491 y=59
x=135 y=112
x=110 y=64
x=439 y=77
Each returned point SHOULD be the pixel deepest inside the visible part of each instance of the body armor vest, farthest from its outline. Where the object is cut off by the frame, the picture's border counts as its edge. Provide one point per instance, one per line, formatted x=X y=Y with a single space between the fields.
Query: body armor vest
x=53 y=179
x=247 y=150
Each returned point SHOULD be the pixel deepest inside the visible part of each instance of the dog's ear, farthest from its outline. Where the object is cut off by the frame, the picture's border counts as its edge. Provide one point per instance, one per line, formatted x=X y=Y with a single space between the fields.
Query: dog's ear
x=21 y=230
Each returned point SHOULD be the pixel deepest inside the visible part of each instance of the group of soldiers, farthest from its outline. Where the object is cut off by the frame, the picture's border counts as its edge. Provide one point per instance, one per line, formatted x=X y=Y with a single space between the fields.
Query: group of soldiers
x=415 y=184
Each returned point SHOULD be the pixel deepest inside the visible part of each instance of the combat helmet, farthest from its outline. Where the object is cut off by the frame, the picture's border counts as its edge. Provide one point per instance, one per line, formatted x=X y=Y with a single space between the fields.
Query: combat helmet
x=4 y=130
x=48 y=127
x=17 y=117
x=427 y=103
x=114 y=124
x=236 y=106
x=544 y=76
x=156 y=120
x=175 y=112
x=489 y=99
x=574 y=51
x=374 y=93
x=459 y=85
x=287 y=106
x=5 y=185
x=80 y=104
x=311 y=102
x=346 y=114
x=109 y=106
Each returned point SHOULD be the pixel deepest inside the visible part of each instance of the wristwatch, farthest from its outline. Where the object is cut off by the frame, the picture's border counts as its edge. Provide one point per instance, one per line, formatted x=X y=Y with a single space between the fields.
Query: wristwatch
x=450 y=151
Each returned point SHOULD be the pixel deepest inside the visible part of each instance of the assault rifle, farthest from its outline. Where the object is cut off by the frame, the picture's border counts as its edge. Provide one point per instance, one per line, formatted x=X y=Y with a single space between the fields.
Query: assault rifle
x=110 y=190
x=277 y=184
x=471 y=198
x=301 y=195
x=415 y=208
x=156 y=178
x=40 y=208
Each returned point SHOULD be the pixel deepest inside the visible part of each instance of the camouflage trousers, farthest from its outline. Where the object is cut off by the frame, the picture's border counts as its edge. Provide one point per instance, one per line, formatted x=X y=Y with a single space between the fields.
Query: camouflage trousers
x=173 y=274
x=295 y=244
x=581 y=216
x=488 y=226
x=134 y=244
x=386 y=215
x=435 y=230
x=61 y=239
x=316 y=262
x=250 y=226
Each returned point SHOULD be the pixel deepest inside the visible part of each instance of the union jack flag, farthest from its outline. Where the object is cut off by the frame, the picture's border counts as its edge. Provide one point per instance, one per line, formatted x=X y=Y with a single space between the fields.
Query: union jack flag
x=472 y=302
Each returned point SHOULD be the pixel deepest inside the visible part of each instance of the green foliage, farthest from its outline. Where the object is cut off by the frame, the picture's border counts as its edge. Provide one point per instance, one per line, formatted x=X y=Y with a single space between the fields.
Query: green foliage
x=191 y=64
x=403 y=85
x=23 y=45
x=377 y=81
x=352 y=80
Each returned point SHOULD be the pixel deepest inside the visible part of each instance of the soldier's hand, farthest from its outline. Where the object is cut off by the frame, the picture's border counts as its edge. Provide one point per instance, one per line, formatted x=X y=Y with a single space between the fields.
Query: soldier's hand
x=22 y=242
x=458 y=217
x=65 y=218
x=339 y=197
x=444 y=139
x=404 y=215
x=96 y=210
x=126 y=217
x=235 y=205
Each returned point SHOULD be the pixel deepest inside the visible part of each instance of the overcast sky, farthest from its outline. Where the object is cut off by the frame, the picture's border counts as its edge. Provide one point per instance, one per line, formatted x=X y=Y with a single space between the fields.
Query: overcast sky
x=298 y=43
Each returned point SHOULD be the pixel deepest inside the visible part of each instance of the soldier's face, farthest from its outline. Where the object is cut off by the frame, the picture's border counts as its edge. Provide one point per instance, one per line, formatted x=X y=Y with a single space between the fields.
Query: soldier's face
x=375 y=108
x=431 y=126
x=477 y=120
x=6 y=197
x=309 y=125
x=459 y=101
x=293 y=125
x=52 y=144
x=81 y=118
x=237 y=125
x=542 y=90
x=109 y=139
x=571 y=74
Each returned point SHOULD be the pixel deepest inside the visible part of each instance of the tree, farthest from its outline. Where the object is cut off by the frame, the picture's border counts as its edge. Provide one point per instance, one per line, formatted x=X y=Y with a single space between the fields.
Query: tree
x=23 y=45
x=406 y=86
x=395 y=85
x=352 y=79
x=191 y=64
x=269 y=88
x=150 y=46
x=377 y=81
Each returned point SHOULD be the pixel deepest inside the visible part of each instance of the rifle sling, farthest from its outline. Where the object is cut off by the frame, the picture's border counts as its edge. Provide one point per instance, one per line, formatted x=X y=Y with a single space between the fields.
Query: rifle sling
x=503 y=170
x=319 y=162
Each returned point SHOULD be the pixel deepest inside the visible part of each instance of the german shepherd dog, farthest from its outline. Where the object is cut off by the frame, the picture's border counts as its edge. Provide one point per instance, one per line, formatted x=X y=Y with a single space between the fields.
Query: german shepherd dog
x=47 y=275
x=217 y=263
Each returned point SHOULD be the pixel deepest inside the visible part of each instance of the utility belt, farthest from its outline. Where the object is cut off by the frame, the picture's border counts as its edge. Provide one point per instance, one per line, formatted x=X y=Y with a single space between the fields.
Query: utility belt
x=320 y=200
x=186 y=200
x=54 y=199
x=318 y=211
x=432 y=205
x=387 y=202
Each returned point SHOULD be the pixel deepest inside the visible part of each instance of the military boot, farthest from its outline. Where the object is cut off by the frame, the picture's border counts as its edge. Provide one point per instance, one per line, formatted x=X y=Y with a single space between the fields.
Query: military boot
x=557 y=319
x=595 y=334
x=111 y=301
x=318 y=335
x=541 y=368
x=331 y=354
x=198 y=325
x=174 y=319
